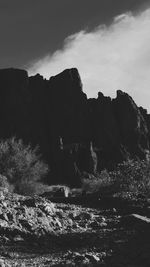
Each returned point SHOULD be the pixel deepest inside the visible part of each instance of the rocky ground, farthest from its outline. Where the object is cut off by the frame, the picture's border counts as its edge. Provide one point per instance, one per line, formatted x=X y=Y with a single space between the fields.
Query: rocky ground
x=36 y=232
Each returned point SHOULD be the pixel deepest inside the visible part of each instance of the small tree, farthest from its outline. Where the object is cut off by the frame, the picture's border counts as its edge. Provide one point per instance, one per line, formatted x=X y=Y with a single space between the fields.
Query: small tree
x=21 y=164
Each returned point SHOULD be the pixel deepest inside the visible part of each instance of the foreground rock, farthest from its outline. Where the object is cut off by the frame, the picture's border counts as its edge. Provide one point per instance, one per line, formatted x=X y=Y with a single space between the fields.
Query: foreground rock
x=25 y=218
x=34 y=218
x=36 y=232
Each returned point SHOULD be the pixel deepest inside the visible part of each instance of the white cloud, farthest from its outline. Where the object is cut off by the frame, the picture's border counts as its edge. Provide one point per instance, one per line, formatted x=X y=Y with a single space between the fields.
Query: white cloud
x=108 y=58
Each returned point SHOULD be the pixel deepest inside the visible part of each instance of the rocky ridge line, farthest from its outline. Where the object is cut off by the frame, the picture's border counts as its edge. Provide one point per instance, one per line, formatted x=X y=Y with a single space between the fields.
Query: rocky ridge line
x=75 y=134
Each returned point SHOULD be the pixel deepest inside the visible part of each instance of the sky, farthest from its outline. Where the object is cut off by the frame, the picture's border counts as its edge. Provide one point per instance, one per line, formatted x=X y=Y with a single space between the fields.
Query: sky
x=107 y=40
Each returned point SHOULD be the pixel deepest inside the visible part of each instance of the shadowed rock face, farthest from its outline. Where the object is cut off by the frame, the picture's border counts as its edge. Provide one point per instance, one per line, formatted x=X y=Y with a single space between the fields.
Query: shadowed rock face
x=75 y=134
x=132 y=125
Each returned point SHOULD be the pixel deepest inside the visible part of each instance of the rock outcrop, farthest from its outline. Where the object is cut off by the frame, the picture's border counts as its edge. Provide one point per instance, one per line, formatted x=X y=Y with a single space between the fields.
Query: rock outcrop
x=132 y=125
x=75 y=134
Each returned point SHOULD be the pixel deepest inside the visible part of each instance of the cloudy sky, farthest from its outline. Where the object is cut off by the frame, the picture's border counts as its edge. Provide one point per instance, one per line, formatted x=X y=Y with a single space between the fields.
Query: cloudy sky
x=107 y=40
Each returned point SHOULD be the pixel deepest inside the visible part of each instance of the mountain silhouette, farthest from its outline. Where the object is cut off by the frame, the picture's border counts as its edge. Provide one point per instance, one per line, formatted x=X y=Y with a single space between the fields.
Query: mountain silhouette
x=75 y=134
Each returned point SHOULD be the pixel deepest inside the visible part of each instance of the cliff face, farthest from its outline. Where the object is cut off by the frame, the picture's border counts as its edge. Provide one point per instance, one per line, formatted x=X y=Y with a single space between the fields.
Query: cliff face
x=75 y=134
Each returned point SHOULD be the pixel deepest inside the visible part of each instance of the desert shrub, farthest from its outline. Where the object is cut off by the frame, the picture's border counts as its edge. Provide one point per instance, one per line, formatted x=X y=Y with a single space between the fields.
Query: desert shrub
x=130 y=176
x=4 y=184
x=93 y=183
x=21 y=164
x=31 y=188
x=4 y=181
x=133 y=176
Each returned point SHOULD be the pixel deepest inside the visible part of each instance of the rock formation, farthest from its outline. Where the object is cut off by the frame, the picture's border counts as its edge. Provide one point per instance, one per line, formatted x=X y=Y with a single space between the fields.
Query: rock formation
x=75 y=134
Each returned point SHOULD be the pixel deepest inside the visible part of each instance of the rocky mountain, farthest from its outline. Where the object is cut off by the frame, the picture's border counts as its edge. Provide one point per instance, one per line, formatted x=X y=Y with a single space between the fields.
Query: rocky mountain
x=75 y=134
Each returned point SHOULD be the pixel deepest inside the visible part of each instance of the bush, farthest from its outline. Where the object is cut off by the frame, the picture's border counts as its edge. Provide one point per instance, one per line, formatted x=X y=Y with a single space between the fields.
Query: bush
x=99 y=182
x=130 y=176
x=21 y=164
x=4 y=184
x=133 y=176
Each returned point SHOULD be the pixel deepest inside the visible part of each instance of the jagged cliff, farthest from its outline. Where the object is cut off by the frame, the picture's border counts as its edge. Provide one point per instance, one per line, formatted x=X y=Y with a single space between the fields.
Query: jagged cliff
x=75 y=134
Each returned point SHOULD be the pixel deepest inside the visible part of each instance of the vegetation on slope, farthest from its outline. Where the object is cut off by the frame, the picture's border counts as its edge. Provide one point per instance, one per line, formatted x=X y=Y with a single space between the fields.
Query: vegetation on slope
x=131 y=176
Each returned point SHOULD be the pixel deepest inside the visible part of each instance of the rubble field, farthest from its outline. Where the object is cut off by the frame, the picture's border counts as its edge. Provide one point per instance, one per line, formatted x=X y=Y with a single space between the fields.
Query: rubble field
x=36 y=232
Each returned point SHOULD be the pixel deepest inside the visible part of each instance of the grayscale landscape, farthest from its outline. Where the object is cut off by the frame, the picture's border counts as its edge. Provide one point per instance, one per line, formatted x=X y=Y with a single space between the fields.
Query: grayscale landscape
x=74 y=133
